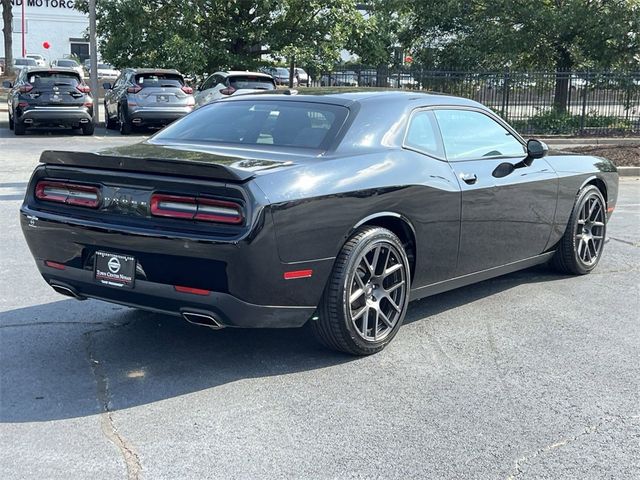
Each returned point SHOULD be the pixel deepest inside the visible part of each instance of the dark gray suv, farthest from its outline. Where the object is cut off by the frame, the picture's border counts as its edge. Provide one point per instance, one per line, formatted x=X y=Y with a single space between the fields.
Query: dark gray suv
x=146 y=97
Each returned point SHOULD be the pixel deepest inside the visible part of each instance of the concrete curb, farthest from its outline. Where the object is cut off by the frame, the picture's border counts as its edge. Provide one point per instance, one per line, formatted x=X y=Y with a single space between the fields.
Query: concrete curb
x=629 y=171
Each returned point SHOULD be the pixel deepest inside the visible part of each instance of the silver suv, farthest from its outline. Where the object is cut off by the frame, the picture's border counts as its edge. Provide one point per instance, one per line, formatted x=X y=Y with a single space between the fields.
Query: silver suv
x=146 y=97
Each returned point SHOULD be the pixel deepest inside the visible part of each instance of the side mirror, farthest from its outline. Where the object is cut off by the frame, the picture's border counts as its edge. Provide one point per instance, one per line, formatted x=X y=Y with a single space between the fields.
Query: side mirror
x=106 y=86
x=536 y=149
x=7 y=84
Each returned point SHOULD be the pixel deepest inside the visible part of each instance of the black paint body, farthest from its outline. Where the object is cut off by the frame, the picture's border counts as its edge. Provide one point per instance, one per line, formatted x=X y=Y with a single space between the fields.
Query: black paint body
x=301 y=206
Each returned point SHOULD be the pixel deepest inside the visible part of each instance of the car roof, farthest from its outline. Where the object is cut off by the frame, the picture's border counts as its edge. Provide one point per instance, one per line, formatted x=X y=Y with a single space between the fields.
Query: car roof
x=242 y=72
x=155 y=70
x=52 y=70
x=347 y=96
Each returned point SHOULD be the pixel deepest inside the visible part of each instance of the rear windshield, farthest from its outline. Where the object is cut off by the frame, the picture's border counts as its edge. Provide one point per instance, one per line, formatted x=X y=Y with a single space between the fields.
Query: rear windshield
x=251 y=81
x=105 y=66
x=260 y=122
x=25 y=61
x=67 y=63
x=49 y=79
x=159 y=80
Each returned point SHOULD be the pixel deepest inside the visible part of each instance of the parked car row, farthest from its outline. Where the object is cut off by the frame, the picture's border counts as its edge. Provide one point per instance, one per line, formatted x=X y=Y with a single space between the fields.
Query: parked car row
x=105 y=70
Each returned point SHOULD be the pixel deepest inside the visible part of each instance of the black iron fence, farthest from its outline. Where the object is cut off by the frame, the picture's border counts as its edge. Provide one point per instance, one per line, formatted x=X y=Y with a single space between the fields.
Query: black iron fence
x=570 y=103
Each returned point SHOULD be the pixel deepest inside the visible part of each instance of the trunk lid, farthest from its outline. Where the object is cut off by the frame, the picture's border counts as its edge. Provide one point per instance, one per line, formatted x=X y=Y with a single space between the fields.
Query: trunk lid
x=181 y=160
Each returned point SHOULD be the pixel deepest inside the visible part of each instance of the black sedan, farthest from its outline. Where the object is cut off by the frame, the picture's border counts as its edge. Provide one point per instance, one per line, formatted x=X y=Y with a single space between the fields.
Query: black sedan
x=49 y=97
x=338 y=209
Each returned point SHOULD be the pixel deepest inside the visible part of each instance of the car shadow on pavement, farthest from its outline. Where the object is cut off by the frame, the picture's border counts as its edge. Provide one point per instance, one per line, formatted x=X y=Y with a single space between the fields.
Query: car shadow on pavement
x=69 y=359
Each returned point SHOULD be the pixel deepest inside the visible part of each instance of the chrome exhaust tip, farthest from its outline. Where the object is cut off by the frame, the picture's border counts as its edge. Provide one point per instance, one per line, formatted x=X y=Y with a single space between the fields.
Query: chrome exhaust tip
x=203 y=320
x=67 y=291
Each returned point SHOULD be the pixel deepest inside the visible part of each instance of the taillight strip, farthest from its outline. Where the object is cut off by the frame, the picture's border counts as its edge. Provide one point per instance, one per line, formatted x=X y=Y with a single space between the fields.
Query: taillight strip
x=196 y=208
x=68 y=193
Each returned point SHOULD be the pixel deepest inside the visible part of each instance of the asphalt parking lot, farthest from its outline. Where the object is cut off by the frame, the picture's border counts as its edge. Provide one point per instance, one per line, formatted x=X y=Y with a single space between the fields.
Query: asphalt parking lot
x=532 y=375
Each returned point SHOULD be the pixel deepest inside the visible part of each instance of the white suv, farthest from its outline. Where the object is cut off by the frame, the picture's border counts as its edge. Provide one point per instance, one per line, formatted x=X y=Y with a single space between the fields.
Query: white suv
x=223 y=84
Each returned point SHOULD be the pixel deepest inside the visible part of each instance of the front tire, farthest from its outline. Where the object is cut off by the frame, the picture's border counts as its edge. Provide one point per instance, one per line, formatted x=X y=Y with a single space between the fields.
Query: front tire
x=366 y=297
x=581 y=246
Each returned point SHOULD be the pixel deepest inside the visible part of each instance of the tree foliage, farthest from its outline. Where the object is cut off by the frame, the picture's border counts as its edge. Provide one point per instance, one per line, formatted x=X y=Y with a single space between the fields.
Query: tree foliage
x=207 y=35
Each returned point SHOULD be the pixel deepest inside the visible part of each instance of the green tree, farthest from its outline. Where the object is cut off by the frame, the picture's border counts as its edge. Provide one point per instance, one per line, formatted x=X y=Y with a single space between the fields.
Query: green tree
x=202 y=36
x=528 y=34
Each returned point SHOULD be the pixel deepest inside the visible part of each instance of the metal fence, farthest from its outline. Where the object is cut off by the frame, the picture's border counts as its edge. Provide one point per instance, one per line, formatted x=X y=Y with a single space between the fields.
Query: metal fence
x=550 y=103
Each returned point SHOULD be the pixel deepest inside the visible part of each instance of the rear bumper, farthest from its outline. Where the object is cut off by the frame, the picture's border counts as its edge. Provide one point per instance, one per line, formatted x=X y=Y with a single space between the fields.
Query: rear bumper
x=227 y=309
x=156 y=116
x=58 y=115
x=243 y=279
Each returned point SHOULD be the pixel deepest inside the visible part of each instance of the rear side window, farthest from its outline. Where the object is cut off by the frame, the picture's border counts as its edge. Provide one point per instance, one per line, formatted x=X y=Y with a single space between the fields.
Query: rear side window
x=260 y=122
x=159 y=80
x=25 y=61
x=471 y=135
x=252 y=82
x=423 y=136
x=49 y=79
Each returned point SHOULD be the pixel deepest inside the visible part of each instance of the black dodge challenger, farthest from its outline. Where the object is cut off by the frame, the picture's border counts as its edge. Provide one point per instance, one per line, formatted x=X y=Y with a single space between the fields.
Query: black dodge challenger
x=273 y=210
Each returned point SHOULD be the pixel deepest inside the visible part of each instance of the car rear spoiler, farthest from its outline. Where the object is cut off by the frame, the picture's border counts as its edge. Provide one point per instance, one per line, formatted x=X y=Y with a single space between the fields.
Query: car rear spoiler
x=200 y=166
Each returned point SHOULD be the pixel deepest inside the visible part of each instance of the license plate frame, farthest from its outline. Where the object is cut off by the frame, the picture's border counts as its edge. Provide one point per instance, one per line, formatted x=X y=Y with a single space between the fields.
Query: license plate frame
x=115 y=269
x=162 y=98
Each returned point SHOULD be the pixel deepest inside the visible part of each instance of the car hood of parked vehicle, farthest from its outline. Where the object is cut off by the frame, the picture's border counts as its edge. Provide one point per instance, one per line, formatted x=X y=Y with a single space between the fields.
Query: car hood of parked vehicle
x=207 y=161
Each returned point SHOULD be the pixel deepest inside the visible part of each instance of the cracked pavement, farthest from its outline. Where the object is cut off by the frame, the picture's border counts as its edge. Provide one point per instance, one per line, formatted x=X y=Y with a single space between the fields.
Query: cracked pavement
x=531 y=375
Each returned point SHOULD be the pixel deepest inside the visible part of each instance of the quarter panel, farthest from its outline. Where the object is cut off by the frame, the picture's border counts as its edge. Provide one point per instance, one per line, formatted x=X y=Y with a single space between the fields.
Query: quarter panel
x=316 y=206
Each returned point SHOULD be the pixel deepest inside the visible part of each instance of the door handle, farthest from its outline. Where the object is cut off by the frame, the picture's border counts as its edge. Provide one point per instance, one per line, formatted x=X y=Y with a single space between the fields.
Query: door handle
x=469 y=178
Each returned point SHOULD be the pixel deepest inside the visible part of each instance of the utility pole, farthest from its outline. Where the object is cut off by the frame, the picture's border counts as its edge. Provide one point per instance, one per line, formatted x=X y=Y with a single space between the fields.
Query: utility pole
x=24 y=50
x=93 y=55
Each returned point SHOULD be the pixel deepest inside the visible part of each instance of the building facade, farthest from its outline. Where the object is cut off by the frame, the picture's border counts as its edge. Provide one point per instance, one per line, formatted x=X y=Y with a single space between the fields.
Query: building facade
x=53 y=21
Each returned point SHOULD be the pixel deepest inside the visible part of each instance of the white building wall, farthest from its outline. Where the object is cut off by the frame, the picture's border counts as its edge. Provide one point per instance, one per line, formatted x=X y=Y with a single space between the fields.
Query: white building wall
x=53 y=21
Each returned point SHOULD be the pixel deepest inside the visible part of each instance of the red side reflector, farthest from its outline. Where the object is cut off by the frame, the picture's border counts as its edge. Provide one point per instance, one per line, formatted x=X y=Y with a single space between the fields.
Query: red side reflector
x=195 y=291
x=611 y=208
x=297 y=274
x=56 y=265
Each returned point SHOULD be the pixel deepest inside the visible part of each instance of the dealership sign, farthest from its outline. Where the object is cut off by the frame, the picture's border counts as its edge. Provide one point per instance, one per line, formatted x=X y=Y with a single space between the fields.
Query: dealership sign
x=68 y=4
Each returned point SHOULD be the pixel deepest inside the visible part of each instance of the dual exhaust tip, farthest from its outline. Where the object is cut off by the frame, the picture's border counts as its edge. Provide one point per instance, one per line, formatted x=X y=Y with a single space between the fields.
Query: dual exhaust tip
x=203 y=320
x=196 y=318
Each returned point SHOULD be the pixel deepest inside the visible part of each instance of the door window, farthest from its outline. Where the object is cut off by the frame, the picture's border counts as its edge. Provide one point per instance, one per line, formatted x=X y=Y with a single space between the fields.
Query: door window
x=470 y=135
x=422 y=134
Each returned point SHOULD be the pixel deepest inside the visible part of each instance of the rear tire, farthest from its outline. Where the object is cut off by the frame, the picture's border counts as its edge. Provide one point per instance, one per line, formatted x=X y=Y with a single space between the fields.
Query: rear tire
x=581 y=246
x=367 y=294
x=19 y=128
x=88 y=129
x=10 y=122
x=108 y=122
x=125 y=125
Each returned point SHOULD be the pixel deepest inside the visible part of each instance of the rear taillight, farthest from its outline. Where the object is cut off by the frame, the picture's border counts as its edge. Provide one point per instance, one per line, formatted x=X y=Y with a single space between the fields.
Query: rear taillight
x=134 y=89
x=187 y=90
x=196 y=208
x=227 y=91
x=83 y=88
x=68 y=193
x=26 y=88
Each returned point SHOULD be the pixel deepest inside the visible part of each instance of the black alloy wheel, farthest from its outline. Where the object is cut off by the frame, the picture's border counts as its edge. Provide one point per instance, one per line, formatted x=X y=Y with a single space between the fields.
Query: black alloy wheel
x=581 y=247
x=366 y=298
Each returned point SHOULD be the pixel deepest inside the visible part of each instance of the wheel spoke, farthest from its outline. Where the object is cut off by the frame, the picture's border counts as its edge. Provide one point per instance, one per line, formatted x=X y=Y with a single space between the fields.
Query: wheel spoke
x=362 y=311
x=356 y=295
x=375 y=323
x=385 y=319
x=376 y=259
x=393 y=288
x=596 y=212
x=392 y=269
x=395 y=306
x=598 y=224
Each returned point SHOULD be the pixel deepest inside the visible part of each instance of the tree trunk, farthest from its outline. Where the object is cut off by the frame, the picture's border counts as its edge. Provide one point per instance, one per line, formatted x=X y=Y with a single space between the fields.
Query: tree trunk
x=292 y=71
x=563 y=76
x=7 y=30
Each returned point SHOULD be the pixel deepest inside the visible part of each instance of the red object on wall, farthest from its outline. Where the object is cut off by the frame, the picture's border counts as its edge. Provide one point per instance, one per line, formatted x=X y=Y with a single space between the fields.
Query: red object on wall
x=46 y=45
